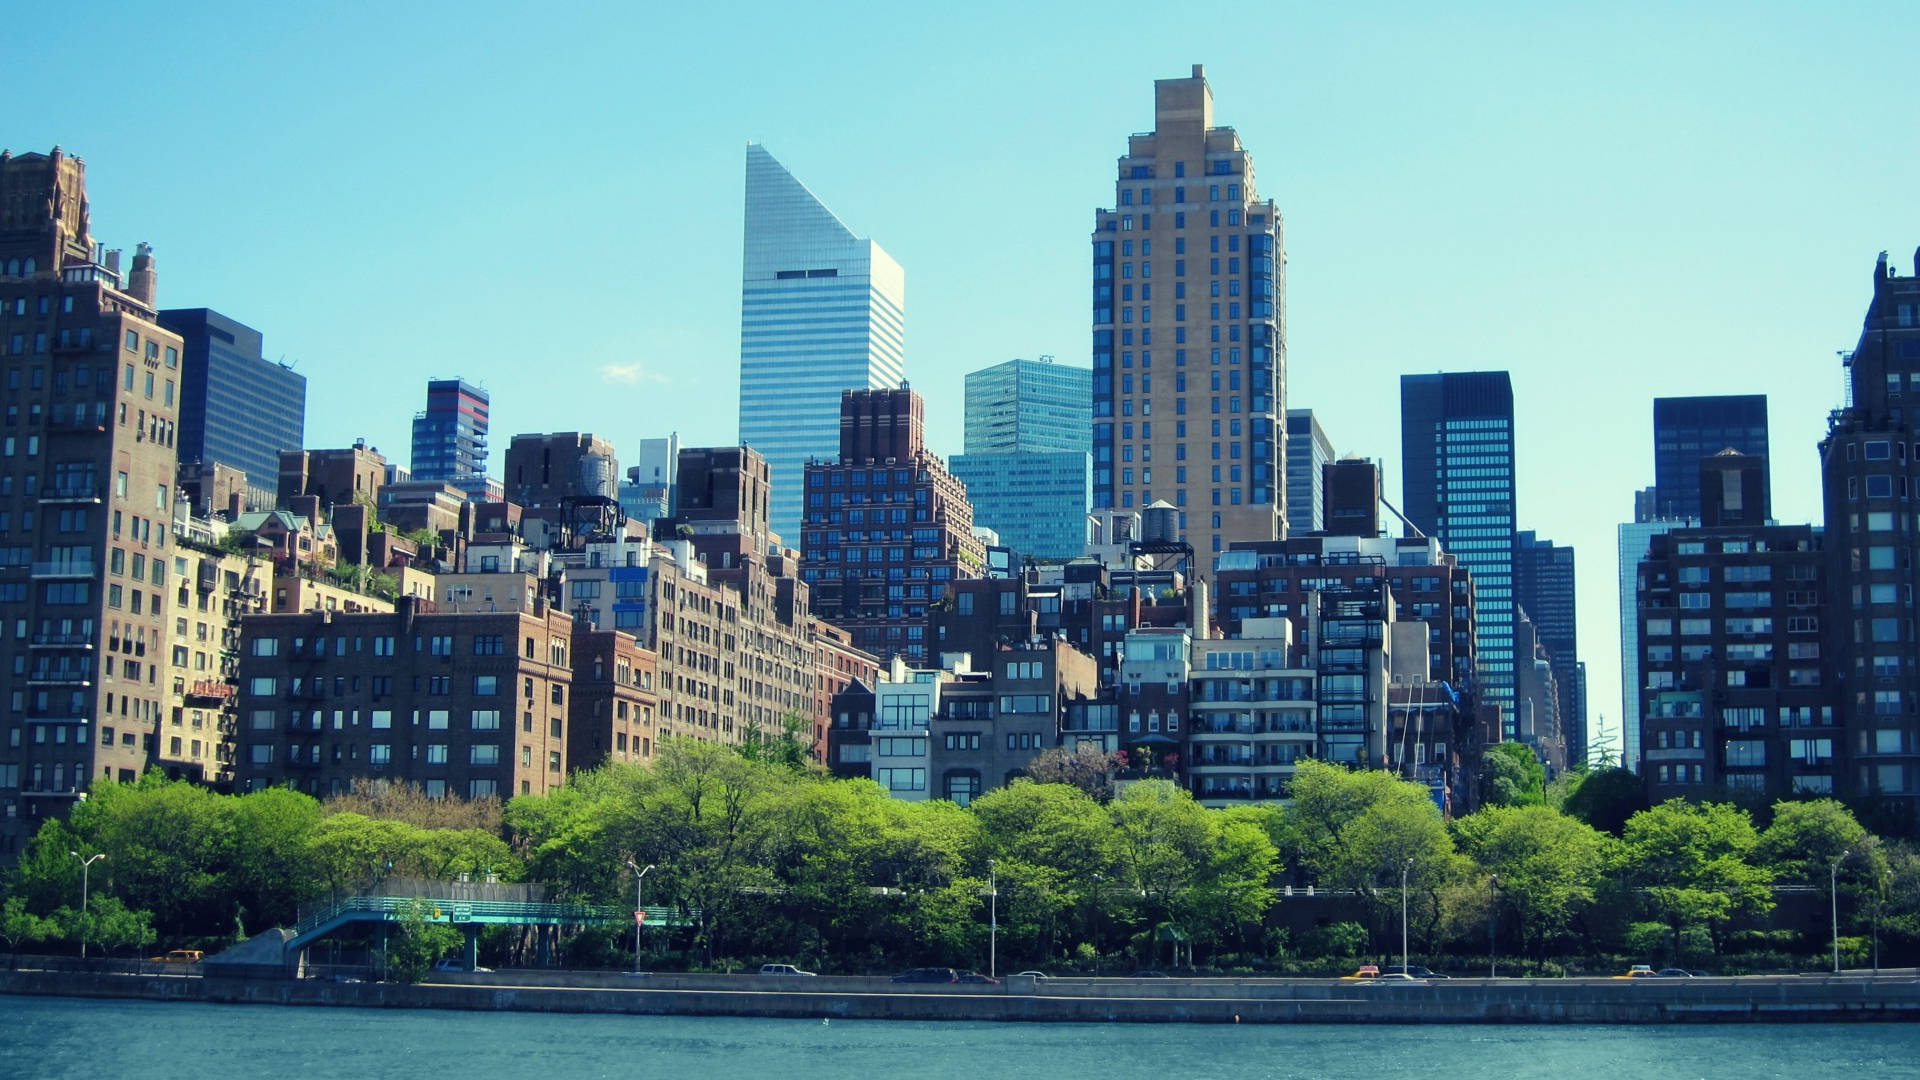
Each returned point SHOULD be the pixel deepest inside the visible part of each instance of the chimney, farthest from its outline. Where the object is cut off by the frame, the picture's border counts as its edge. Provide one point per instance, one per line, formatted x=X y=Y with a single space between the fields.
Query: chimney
x=141 y=281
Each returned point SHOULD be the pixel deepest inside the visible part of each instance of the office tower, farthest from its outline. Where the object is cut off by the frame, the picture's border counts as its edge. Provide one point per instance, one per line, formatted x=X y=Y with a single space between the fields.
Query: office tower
x=1027 y=468
x=1349 y=492
x=1543 y=585
x=1868 y=472
x=86 y=499
x=648 y=494
x=1028 y=406
x=1308 y=453
x=1456 y=456
x=821 y=311
x=237 y=408
x=450 y=437
x=1189 y=355
x=1686 y=429
x=888 y=527
x=1536 y=696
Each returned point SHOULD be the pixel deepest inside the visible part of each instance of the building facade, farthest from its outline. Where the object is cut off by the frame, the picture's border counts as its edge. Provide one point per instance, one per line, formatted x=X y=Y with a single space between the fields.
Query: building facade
x=450 y=437
x=237 y=408
x=888 y=527
x=821 y=311
x=1193 y=418
x=87 y=474
x=1870 y=466
x=1028 y=469
x=1543 y=586
x=1456 y=454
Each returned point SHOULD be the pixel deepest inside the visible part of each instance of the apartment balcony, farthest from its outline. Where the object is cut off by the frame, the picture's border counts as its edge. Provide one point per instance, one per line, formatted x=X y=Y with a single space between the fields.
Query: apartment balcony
x=76 y=425
x=81 y=492
x=1207 y=761
x=66 y=568
x=62 y=677
x=61 y=641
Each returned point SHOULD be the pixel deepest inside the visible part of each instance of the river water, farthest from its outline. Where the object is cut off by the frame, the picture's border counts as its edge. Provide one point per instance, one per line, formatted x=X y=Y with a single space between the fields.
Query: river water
x=58 y=1038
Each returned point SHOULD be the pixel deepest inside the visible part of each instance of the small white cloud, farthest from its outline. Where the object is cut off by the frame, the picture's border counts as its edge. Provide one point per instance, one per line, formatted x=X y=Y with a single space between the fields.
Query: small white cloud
x=630 y=374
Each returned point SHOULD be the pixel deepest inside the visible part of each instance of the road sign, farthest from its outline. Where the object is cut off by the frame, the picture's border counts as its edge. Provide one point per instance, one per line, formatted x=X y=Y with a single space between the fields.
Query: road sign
x=640 y=917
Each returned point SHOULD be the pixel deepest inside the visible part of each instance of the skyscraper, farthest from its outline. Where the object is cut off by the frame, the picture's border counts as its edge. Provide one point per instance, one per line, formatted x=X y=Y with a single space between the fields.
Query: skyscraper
x=888 y=527
x=1635 y=540
x=1868 y=476
x=1686 y=429
x=1206 y=418
x=1308 y=453
x=1456 y=460
x=1027 y=467
x=1543 y=584
x=88 y=476
x=450 y=437
x=821 y=311
x=237 y=408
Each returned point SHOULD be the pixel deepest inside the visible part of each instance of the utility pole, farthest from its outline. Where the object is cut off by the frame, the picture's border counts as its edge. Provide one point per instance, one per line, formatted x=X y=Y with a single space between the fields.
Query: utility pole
x=993 y=924
x=639 y=909
x=1404 y=868
x=86 y=864
x=1833 y=895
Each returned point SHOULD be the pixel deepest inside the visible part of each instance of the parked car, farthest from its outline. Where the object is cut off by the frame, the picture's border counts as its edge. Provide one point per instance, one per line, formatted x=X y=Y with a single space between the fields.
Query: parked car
x=1414 y=970
x=1035 y=974
x=1638 y=971
x=457 y=966
x=178 y=956
x=975 y=977
x=1366 y=971
x=1393 y=978
x=927 y=975
x=1674 y=973
x=783 y=969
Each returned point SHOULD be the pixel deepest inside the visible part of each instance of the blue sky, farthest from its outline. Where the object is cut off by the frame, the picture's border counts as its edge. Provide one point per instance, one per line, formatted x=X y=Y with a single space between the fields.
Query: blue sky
x=546 y=198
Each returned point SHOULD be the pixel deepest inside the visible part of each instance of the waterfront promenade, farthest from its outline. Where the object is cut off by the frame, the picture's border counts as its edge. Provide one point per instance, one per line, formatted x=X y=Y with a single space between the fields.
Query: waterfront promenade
x=1887 y=996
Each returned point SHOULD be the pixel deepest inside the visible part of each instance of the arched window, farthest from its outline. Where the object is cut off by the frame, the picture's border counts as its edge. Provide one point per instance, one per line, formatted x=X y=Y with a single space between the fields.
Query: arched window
x=13 y=267
x=27 y=268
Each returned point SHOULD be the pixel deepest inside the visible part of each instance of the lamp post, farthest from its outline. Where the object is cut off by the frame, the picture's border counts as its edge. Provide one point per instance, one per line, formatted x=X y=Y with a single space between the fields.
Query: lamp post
x=1493 y=912
x=1404 y=868
x=639 y=909
x=1833 y=896
x=86 y=865
x=993 y=924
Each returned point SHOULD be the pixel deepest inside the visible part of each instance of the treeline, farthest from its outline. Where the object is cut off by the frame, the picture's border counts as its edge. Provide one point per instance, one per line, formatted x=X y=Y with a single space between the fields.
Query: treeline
x=771 y=860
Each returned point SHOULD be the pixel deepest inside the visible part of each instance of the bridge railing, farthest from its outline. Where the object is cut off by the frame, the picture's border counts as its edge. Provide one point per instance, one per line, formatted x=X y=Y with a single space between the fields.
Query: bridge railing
x=392 y=908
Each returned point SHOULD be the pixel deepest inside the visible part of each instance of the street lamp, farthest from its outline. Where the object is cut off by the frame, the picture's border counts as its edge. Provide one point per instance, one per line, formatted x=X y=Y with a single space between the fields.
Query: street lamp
x=1404 y=868
x=86 y=865
x=639 y=909
x=1833 y=895
x=993 y=924
x=1493 y=912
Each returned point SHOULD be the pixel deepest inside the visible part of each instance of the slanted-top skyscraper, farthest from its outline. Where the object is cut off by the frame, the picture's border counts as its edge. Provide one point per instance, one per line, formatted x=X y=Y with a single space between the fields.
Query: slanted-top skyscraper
x=1456 y=461
x=821 y=311
x=237 y=408
x=450 y=437
x=1189 y=354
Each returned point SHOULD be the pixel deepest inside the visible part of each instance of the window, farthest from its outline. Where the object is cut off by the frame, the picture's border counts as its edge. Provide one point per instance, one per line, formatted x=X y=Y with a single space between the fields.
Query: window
x=483 y=754
x=486 y=720
x=486 y=685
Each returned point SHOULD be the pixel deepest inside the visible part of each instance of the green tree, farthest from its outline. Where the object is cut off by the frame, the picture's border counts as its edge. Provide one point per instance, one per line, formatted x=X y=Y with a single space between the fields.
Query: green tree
x=419 y=940
x=21 y=927
x=166 y=842
x=271 y=867
x=107 y=924
x=1807 y=838
x=1606 y=798
x=1549 y=864
x=1513 y=776
x=1052 y=845
x=1690 y=864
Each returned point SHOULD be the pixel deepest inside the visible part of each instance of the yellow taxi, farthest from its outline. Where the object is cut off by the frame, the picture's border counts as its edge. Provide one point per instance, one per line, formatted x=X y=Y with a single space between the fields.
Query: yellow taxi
x=1367 y=971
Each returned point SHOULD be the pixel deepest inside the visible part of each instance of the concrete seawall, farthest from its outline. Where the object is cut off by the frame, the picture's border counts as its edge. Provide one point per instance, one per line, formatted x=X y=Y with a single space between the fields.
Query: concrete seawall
x=1887 y=997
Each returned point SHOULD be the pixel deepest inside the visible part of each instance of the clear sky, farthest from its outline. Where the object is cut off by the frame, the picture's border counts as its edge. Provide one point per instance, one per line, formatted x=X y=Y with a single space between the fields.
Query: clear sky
x=1611 y=204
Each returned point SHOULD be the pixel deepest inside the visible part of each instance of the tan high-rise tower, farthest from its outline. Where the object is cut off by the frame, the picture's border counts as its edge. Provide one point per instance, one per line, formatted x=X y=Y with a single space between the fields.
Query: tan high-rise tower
x=1189 y=331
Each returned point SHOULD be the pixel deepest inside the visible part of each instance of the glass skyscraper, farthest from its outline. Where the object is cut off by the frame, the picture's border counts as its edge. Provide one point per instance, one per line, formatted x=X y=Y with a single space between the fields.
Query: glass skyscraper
x=1308 y=452
x=1028 y=469
x=821 y=311
x=1456 y=460
x=450 y=437
x=237 y=408
x=1686 y=429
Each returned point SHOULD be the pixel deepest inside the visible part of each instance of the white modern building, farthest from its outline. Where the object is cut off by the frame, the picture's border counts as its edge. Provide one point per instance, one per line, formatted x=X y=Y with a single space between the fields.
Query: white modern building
x=821 y=311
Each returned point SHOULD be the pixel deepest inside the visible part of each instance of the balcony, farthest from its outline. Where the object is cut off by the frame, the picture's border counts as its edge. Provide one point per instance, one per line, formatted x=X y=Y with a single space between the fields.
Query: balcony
x=67 y=568
x=60 y=677
x=76 y=425
x=61 y=641
x=73 y=491
x=208 y=692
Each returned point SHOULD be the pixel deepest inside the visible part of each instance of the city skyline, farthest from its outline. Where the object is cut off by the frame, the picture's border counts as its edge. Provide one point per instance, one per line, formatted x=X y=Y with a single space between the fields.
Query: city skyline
x=1635 y=169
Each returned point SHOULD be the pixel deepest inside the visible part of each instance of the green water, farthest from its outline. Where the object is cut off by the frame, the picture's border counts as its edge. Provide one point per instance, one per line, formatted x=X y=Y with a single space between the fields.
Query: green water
x=55 y=1038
